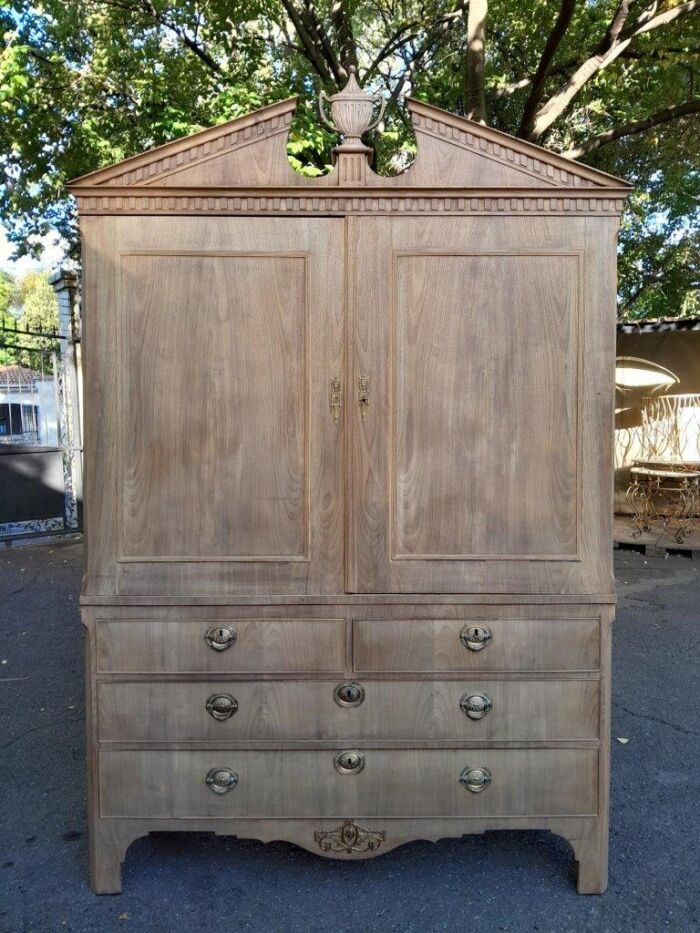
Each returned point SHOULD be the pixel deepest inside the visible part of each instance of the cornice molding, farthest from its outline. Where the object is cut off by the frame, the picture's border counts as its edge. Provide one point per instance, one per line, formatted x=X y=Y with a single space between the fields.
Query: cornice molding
x=325 y=201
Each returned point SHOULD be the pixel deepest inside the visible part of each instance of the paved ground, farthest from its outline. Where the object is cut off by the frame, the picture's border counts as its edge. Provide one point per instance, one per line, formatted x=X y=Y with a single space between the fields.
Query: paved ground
x=514 y=882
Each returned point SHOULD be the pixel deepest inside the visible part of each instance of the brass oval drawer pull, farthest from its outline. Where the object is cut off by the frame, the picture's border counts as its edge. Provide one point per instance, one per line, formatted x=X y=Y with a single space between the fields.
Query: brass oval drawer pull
x=220 y=637
x=475 y=637
x=222 y=706
x=475 y=779
x=349 y=762
x=349 y=694
x=222 y=780
x=475 y=705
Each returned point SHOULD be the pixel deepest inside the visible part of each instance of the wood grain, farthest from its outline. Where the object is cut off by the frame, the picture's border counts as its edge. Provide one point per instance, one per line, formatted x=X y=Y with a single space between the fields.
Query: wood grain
x=213 y=454
x=261 y=645
x=484 y=375
x=162 y=784
x=222 y=294
x=473 y=456
x=434 y=645
x=219 y=439
x=524 y=711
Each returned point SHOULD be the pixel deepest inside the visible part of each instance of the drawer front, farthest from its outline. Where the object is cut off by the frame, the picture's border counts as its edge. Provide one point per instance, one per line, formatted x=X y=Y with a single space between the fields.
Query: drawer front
x=528 y=645
x=260 y=646
x=522 y=711
x=298 y=784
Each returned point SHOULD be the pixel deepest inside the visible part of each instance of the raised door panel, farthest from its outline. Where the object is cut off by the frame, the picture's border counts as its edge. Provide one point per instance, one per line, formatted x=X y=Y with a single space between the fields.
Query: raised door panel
x=484 y=366
x=468 y=460
x=228 y=473
x=219 y=431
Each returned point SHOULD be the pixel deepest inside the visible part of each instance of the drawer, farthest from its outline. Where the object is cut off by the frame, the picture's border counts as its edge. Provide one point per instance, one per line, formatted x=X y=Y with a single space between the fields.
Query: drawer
x=259 y=646
x=528 y=645
x=302 y=784
x=521 y=711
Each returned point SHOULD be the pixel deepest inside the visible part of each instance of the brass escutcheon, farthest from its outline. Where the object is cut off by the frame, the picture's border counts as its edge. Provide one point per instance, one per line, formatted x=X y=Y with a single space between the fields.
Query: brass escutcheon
x=220 y=637
x=475 y=637
x=350 y=761
x=349 y=694
x=363 y=395
x=336 y=398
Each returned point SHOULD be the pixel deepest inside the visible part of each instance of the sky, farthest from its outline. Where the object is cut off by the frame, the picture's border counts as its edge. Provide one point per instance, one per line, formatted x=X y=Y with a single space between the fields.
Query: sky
x=51 y=256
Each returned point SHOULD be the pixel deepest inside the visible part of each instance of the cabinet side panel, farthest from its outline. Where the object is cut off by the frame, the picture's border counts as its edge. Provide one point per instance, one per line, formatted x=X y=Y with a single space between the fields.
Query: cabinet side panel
x=102 y=451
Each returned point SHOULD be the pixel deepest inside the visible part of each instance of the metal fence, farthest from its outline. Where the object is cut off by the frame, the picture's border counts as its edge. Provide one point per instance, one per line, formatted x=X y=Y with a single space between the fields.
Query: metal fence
x=40 y=436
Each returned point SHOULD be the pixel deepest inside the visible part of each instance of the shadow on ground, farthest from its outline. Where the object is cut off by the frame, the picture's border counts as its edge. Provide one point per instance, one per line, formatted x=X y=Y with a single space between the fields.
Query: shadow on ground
x=514 y=882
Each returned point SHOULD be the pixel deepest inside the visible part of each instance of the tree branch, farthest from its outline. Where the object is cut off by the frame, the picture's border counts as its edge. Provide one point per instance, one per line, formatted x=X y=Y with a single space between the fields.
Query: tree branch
x=318 y=32
x=630 y=129
x=433 y=38
x=616 y=25
x=653 y=278
x=508 y=89
x=561 y=24
x=603 y=57
x=311 y=52
x=344 y=35
x=394 y=42
x=157 y=17
x=474 y=76
x=409 y=32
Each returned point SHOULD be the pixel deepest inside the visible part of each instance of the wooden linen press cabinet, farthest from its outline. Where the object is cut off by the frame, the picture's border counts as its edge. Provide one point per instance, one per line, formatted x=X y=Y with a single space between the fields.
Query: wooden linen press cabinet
x=349 y=490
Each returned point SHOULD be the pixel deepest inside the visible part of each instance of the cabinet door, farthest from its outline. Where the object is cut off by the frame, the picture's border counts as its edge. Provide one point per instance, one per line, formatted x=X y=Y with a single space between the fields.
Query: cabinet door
x=227 y=475
x=481 y=457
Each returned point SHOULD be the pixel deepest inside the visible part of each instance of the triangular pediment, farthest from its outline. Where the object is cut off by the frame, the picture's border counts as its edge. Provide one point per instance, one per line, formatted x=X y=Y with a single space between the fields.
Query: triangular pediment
x=245 y=151
x=470 y=154
x=251 y=151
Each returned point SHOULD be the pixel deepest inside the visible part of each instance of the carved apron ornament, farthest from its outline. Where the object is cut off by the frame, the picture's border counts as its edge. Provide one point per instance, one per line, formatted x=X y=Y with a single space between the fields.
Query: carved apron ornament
x=349 y=838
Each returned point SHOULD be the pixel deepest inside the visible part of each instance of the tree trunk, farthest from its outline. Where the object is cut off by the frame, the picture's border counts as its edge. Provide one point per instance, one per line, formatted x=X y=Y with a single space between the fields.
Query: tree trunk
x=474 y=91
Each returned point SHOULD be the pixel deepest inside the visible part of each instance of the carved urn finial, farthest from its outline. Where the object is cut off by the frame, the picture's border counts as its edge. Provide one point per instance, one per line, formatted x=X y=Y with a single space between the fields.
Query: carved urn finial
x=351 y=111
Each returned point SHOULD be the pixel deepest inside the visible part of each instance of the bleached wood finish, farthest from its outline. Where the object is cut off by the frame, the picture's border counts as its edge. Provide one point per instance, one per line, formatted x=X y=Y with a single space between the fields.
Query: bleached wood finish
x=449 y=495
x=250 y=501
x=235 y=470
x=516 y=645
x=292 y=783
x=347 y=417
x=304 y=711
x=261 y=646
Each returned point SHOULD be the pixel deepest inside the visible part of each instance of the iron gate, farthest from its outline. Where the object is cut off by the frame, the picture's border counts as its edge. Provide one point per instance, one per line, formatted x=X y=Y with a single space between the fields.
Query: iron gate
x=40 y=449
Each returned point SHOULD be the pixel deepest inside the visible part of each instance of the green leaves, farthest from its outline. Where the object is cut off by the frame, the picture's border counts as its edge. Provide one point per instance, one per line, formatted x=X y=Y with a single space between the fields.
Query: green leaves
x=83 y=85
x=27 y=305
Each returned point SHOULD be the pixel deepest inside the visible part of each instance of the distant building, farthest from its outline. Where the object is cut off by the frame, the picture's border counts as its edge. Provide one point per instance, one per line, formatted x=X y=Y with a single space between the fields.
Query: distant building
x=28 y=408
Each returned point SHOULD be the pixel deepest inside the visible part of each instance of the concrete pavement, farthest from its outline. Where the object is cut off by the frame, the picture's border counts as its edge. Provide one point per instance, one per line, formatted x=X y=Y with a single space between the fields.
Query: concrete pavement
x=513 y=882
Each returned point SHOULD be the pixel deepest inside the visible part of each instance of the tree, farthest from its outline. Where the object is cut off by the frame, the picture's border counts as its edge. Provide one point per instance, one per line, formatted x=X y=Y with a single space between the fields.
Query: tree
x=613 y=82
x=8 y=321
x=28 y=319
